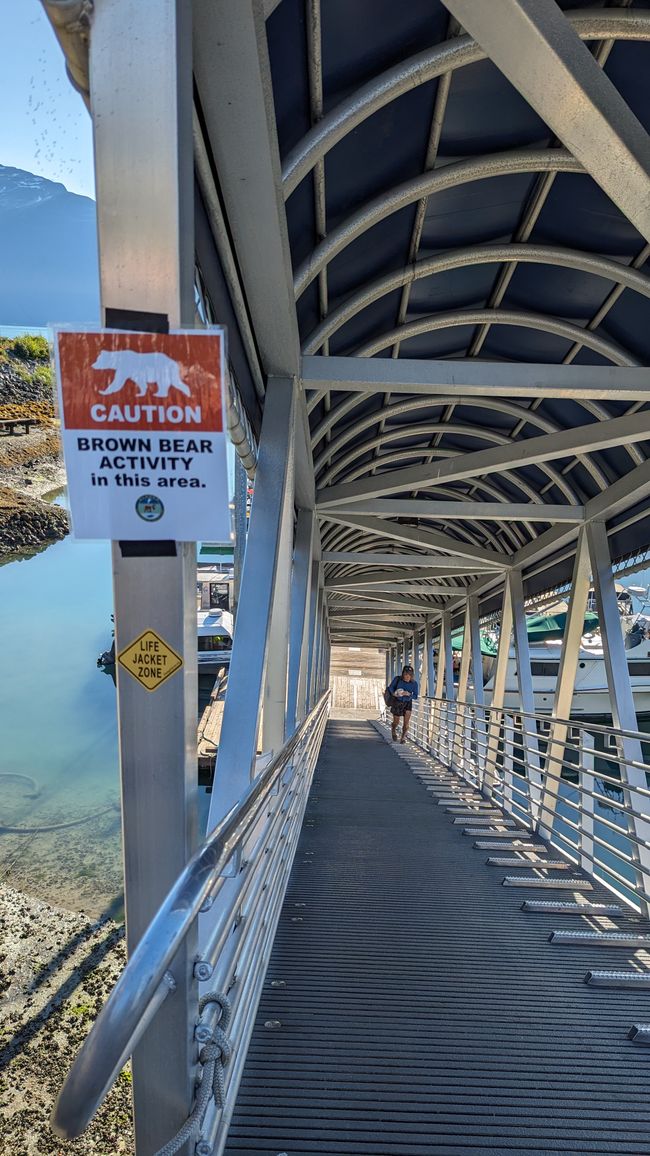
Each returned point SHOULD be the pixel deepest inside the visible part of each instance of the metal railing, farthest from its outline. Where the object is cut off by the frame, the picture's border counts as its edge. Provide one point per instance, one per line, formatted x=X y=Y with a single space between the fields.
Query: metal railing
x=241 y=872
x=577 y=784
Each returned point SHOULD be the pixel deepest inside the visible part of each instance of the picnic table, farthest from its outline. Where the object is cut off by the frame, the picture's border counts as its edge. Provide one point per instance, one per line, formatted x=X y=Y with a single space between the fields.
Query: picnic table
x=10 y=425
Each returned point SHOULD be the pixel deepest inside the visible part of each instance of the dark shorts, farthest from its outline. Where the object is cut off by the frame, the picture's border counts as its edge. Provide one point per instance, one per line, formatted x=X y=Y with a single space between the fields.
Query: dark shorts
x=400 y=707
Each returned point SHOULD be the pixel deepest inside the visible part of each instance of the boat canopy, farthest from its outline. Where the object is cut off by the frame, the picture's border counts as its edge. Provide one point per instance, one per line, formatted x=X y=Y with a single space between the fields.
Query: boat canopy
x=541 y=628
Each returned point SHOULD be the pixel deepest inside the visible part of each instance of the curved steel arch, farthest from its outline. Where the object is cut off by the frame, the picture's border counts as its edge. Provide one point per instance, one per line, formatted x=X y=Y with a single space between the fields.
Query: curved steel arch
x=515 y=479
x=426 y=185
x=528 y=320
x=424 y=67
x=498 y=405
x=490 y=487
x=463 y=430
x=487 y=254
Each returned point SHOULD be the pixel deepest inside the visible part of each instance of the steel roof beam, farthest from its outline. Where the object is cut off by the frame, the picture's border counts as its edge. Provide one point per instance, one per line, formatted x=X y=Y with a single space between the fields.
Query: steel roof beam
x=449 y=176
x=472 y=511
x=535 y=47
x=446 y=565
x=597 y=435
x=409 y=588
x=425 y=66
x=431 y=539
x=555 y=255
x=233 y=79
x=541 y=322
x=345 y=581
x=476 y=378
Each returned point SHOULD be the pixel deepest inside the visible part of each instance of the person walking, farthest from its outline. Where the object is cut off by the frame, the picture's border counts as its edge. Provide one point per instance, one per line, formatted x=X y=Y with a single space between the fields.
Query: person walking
x=403 y=691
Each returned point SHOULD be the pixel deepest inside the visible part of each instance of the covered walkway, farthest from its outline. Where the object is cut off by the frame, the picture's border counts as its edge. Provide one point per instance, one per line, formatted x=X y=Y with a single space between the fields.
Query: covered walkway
x=426 y=230
x=412 y=1006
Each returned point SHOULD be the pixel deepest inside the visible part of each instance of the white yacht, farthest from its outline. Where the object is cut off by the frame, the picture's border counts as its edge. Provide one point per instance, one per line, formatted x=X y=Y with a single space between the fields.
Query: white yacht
x=590 y=695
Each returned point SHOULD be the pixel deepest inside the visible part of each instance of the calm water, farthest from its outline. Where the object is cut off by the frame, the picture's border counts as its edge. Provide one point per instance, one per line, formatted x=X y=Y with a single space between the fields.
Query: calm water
x=59 y=727
x=58 y=723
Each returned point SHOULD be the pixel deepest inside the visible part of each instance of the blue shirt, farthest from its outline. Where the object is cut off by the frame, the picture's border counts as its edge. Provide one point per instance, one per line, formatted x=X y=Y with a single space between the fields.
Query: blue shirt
x=400 y=683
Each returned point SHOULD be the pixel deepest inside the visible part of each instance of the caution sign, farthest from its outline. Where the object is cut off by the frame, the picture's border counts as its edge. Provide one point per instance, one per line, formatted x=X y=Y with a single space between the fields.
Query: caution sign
x=143 y=425
x=150 y=659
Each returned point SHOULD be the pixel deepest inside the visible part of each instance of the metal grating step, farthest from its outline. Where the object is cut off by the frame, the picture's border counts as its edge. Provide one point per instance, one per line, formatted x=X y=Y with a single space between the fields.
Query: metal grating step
x=640 y=1034
x=489 y=816
x=634 y=979
x=514 y=845
x=537 y=881
x=494 y=820
x=472 y=807
x=485 y=832
x=511 y=861
x=556 y=907
x=600 y=938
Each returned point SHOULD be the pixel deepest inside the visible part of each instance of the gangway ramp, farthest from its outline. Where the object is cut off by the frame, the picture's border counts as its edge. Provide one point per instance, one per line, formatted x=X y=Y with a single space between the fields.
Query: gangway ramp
x=412 y=1006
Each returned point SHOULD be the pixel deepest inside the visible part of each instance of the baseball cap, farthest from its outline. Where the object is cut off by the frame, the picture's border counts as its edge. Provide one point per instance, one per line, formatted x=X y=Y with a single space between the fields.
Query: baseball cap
x=408 y=670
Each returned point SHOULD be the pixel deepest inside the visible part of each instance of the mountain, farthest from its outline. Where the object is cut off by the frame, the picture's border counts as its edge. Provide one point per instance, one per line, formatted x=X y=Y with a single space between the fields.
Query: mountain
x=48 y=252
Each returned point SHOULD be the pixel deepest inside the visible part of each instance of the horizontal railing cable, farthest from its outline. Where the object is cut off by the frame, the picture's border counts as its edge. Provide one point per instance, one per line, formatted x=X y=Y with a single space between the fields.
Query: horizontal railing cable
x=270 y=812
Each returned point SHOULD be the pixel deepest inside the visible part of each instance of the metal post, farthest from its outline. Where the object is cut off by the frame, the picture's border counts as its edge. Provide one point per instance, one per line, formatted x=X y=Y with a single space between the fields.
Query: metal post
x=241 y=499
x=429 y=663
x=621 y=699
x=498 y=692
x=526 y=696
x=274 y=709
x=141 y=100
x=563 y=699
x=238 y=744
x=447 y=655
x=298 y=640
x=313 y=613
x=463 y=718
x=586 y=789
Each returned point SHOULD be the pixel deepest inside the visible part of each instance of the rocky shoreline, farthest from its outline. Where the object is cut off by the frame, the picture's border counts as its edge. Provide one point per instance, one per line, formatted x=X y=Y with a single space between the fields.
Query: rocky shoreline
x=56 y=970
x=30 y=464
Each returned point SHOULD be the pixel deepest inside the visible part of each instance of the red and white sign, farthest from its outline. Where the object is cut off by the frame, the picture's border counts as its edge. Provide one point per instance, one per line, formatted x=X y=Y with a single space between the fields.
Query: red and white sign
x=143 y=426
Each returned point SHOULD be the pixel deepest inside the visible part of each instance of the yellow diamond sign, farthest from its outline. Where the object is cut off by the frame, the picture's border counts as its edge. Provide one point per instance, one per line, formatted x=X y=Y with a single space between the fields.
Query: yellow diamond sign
x=150 y=659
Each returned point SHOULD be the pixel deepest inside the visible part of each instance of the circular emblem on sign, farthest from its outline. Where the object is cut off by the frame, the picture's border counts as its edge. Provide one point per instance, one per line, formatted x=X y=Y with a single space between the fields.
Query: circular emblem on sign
x=149 y=508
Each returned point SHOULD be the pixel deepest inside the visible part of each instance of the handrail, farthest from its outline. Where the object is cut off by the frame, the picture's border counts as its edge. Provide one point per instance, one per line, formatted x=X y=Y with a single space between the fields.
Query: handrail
x=513 y=757
x=124 y=1017
x=584 y=724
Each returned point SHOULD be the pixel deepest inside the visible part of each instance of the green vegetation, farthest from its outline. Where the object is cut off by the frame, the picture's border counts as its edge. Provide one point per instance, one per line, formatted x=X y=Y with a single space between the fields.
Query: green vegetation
x=30 y=347
x=43 y=375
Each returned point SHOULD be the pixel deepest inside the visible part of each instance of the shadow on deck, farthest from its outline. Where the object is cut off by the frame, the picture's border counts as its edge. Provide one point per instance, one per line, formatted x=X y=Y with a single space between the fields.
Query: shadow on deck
x=412 y=1006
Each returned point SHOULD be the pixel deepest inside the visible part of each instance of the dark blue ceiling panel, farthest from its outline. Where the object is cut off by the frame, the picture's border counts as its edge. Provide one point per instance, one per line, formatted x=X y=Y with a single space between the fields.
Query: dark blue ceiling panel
x=557 y=291
x=386 y=149
x=522 y=344
x=627 y=68
x=628 y=323
x=590 y=357
x=300 y=219
x=376 y=251
x=456 y=289
x=441 y=343
x=486 y=114
x=376 y=319
x=308 y=309
x=577 y=213
x=286 y=34
x=487 y=210
x=361 y=39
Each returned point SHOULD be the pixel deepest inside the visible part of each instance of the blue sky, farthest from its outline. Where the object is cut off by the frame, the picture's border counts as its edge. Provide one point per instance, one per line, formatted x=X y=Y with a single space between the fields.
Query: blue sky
x=44 y=127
